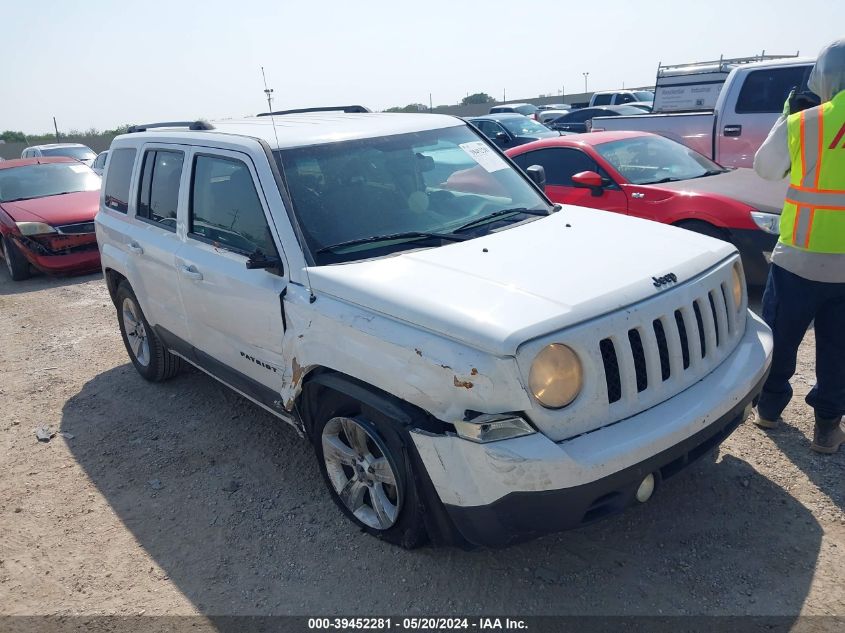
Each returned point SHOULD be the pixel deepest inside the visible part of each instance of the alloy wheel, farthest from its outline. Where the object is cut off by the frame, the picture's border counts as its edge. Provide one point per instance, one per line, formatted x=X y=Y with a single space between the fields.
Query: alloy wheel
x=136 y=333
x=360 y=472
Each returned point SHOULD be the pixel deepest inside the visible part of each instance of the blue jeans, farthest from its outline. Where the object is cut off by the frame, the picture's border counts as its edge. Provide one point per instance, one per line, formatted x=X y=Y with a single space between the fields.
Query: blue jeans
x=790 y=304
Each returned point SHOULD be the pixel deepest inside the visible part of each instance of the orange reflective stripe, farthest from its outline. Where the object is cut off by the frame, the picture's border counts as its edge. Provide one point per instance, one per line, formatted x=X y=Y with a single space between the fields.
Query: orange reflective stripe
x=795 y=224
x=815 y=190
x=803 y=134
x=809 y=197
x=823 y=207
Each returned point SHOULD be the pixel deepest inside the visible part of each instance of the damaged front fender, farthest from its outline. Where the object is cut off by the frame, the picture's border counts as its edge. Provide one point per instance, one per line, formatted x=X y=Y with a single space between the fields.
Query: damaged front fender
x=439 y=375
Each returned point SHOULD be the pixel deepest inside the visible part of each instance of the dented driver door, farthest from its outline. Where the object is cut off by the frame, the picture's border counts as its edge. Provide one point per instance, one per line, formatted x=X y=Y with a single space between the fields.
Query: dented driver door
x=235 y=315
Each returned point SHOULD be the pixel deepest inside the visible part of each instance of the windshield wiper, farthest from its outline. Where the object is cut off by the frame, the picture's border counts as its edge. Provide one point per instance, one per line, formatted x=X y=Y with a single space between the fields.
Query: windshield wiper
x=711 y=172
x=407 y=235
x=496 y=214
x=662 y=180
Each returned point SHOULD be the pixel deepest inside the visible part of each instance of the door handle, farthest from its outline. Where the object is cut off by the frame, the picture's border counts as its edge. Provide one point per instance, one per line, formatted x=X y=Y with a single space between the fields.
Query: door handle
x=191 y=272
x=136 y=248
x=733 y=130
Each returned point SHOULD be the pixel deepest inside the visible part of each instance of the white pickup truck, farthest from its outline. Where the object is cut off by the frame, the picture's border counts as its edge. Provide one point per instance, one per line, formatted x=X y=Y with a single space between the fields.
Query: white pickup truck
x=470 y=362
x=748 y=105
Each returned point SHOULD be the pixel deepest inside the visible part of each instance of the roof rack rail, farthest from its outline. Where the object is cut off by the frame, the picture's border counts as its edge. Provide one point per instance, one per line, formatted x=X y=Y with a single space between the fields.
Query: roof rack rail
x=348 y=109
x=191 y=125
x=723 y=62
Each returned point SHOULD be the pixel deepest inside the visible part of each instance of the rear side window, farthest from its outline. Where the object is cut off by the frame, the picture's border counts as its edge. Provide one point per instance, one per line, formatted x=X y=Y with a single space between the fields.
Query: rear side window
x=117 y=182
x=225 y=208
x=159 y=194
x=766 y=90
x=602 y=99
x=489 y=128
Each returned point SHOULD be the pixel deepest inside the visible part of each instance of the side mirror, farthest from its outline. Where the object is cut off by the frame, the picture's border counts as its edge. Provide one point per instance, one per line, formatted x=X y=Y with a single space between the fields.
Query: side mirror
x=538 y=175
x=501 y=137
x=589 y=180
x=259 y=260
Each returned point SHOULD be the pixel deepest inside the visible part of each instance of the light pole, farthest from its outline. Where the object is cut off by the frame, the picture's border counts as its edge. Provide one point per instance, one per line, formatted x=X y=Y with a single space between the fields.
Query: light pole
x=585 y=81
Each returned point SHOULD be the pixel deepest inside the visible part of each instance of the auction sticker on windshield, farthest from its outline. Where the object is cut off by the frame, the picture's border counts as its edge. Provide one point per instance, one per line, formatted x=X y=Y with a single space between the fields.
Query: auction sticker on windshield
x=484 y=156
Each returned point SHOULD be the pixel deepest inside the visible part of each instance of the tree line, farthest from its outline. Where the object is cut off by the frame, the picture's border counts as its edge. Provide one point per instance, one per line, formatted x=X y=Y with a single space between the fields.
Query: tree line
x=478 y=97
x=16 y=136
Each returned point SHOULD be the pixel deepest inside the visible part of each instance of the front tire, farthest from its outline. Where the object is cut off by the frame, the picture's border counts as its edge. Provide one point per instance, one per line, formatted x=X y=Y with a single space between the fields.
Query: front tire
x=363 y=462
x=16 y=263
x=145 y=349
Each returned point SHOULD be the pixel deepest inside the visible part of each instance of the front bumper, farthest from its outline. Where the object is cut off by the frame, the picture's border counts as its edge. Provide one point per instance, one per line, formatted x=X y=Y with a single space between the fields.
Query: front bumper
x=80 y=259
x=503 y=492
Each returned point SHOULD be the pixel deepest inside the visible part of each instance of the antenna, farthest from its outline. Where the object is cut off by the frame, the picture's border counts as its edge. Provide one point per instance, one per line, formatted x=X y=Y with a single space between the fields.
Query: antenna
x=269 y=93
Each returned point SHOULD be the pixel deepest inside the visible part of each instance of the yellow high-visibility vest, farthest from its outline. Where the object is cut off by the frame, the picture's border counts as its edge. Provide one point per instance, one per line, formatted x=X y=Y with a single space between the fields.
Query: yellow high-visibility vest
x=813 y=217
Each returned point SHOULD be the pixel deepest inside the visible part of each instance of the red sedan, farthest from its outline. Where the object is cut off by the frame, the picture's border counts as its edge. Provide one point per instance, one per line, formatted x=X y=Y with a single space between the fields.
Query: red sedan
x=653 y=177
x=47 y=209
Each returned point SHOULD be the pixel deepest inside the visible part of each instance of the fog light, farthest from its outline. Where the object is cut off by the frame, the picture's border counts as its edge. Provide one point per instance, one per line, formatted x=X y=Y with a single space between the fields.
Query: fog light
x=646 y=489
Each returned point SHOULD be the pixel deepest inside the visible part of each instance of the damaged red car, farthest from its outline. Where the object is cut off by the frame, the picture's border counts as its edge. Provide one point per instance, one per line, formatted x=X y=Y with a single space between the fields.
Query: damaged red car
x=47 y=209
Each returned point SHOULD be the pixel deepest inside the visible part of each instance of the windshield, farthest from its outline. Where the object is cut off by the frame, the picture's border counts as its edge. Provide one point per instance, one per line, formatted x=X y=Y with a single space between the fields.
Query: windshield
x=79 y=153
x=50 y=179
x=649 y=159
x=644 y=95
x=434 y=181
x=527 y=109
x=523 y=126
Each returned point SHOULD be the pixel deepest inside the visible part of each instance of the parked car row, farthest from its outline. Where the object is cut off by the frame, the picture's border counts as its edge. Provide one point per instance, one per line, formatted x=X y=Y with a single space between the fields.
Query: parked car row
x=510 y=130
x=581 y=120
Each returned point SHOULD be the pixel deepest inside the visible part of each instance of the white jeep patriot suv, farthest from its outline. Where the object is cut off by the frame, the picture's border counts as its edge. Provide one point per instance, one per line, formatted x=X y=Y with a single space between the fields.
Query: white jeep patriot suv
x=471 y=363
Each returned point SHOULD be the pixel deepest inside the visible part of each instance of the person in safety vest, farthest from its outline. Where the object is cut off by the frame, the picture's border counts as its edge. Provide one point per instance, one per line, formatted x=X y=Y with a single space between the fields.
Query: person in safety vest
x=807 y=278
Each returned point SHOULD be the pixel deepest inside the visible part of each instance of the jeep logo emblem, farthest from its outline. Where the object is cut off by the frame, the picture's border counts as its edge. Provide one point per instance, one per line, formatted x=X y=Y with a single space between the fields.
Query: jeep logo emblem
x=665 y=279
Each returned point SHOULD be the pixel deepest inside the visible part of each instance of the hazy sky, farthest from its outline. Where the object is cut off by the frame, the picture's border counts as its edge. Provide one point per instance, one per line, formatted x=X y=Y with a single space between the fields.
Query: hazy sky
x=99 y=63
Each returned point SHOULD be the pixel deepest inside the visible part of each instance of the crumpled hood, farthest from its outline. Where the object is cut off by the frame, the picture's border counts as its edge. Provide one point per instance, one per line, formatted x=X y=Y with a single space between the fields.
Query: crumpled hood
x=497 y=291
x=740 y=184
x=68 y=208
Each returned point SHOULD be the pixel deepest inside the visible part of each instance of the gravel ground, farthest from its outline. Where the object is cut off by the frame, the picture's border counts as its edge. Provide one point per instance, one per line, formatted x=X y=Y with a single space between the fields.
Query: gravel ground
x=132 y=507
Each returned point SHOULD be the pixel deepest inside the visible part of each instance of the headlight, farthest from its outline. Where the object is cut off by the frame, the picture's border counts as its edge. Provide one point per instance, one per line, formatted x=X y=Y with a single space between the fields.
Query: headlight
x=34 y=228
x=738 y=284
x=768 y=222
x=492 y=427
x=555 y=377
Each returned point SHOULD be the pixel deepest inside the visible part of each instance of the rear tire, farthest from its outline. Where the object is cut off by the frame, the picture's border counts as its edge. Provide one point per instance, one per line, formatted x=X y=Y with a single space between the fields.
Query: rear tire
x=364 y=464
x=150 y=357
x=16 y=263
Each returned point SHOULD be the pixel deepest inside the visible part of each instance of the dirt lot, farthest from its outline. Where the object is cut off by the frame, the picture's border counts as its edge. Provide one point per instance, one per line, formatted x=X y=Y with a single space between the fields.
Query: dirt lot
x=133 y=510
